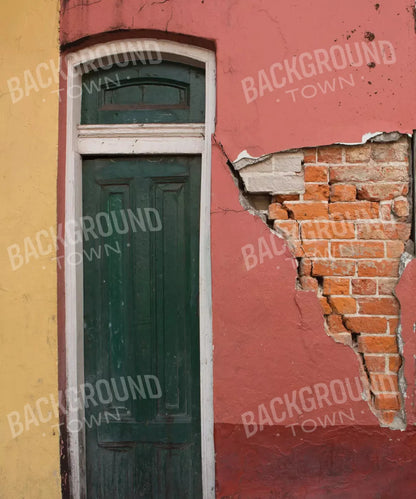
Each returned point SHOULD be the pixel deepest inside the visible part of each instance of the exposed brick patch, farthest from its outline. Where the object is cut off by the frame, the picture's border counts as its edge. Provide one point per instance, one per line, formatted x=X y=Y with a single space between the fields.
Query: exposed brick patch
x=348 y=231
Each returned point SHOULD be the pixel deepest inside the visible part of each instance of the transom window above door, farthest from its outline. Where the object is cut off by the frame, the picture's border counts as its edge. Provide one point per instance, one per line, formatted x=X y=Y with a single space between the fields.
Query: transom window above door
x=168 y=92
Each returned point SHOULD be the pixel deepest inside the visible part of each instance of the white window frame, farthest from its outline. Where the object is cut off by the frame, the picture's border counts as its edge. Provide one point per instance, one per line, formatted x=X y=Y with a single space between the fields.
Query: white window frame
x=83 y=140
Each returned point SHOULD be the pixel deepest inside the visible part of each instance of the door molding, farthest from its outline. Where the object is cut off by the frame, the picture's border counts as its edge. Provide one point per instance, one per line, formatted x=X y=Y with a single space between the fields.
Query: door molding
x=134 y=139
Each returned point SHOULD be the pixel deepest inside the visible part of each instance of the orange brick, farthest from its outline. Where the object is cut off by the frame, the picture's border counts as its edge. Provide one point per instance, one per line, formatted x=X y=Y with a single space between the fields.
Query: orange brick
x=396 y=173
x=382 y=191
x=375 y=363
x=380 y=268
x=316 y=173
x=384 y=382
x=394 y=249
x=342 y=192
x=307 y=211
x=343 y=304
x=288 y=228
x=393 y=151
x=354 y=211
x=377 y=344
x=309 y=155
x=357 y=249
x=281 y=198
x=387 y=417
x=326 y=309
x=316 y=192
x=352 y=174
x=308 y=283
x=328 y=230
x=305 y=267
x=393 y=324
x=336 y=286
x=317 y=249
x=344 y=338
x=295 y=247
x=335 y=324
x=378 y=306
x=383 y=401
x=367 y=324
x=386 y=286
x=364 y=286
x=401 y=207
x=395 y=363
x=333 y=268
x=383 y=230
x=330 y=154
x=277 y=212
x=385 y=211
x=358 y=154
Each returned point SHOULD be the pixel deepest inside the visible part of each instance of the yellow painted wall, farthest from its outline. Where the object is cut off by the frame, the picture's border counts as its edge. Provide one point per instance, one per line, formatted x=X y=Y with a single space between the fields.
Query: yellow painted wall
x=29 y=463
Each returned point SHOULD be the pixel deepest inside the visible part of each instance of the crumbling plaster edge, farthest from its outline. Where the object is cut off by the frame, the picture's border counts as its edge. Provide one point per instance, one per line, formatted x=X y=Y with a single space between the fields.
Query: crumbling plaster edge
x=405 y=259
x=385 y=137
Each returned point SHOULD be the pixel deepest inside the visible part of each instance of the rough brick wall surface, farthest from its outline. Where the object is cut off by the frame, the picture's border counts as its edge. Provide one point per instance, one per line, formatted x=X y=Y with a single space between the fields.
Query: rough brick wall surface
x=348 y=231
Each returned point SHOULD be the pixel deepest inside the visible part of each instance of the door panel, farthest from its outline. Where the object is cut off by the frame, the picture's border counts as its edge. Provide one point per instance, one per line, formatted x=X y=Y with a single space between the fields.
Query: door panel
x=141 y=327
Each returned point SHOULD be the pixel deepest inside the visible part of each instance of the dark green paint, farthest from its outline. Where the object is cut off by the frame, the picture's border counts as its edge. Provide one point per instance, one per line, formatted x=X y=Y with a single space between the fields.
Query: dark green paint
x=168 y=92
x=141 y=318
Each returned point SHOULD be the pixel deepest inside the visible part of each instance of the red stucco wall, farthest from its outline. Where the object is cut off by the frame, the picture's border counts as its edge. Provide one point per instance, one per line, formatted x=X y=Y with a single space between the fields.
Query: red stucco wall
x=269 y=339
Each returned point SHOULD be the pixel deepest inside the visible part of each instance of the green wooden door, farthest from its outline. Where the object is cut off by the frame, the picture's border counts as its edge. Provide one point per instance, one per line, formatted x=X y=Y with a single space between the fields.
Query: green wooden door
x=141 y=327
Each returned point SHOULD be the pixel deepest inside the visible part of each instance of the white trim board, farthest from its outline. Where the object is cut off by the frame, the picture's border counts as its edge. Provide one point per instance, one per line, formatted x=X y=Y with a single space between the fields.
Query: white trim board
x=115 y=139
x=139 y=139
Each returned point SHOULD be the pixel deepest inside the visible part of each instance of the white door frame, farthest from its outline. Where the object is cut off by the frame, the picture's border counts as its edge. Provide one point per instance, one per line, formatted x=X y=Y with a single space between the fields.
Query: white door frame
x=134 y=139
